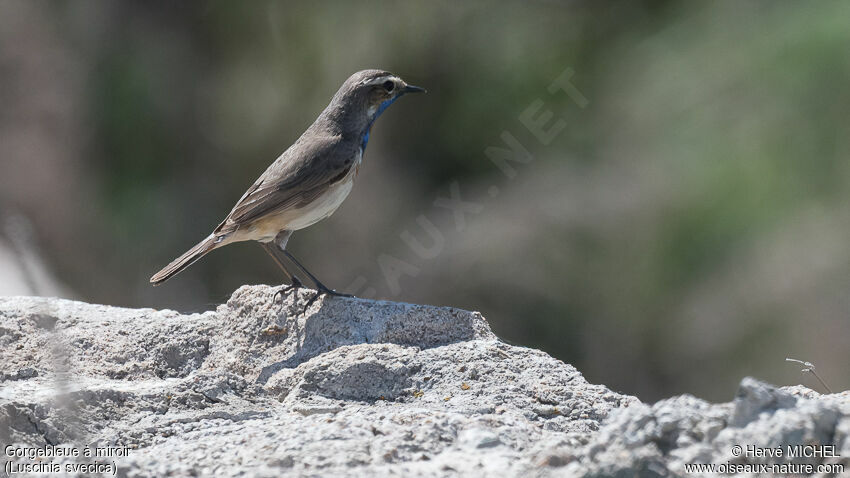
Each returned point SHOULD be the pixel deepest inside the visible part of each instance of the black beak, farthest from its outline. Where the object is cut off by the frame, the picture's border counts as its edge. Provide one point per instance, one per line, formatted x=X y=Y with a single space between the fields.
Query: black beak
x=413 y=89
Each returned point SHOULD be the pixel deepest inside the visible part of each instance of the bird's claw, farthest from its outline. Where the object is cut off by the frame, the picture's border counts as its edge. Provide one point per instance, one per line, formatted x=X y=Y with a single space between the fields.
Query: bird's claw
x=321 y=290
x=312 y=299
x=296 y=284
x=335 y=293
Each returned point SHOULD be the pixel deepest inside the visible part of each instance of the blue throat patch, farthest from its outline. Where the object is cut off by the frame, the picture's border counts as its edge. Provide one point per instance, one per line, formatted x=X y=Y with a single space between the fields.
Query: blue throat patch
x=383 y=106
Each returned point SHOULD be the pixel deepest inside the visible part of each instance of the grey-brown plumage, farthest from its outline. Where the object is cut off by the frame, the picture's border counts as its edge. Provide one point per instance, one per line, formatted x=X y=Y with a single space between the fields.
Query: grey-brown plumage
x=309 y=181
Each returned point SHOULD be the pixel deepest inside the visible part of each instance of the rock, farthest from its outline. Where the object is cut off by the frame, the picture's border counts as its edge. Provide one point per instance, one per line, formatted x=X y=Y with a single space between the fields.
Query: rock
x=350 y=387
x=258 y=388
x=665 y=438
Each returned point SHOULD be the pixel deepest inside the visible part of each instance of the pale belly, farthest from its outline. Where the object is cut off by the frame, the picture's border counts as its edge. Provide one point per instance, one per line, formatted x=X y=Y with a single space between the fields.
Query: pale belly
x=322 y=207
x=265 y=230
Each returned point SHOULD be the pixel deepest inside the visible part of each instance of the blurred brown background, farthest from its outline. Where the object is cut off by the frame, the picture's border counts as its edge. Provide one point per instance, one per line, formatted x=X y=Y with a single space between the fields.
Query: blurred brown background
x=688 y=227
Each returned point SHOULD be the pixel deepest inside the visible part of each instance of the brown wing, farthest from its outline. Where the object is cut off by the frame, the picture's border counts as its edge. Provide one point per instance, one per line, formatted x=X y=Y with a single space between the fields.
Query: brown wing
x=300 y=175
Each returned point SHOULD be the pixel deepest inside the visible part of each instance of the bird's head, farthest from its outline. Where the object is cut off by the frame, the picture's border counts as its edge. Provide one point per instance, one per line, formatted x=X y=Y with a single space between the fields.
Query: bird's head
x=380 y=89
x=366 y=94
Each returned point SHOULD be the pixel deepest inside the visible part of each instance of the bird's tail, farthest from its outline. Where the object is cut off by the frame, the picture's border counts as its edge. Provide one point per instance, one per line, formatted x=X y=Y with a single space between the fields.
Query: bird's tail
x=187 y=259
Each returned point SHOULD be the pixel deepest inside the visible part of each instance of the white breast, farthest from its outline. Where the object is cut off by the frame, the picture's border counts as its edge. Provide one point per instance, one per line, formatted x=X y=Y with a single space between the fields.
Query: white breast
x=327 y=203
x=265 y=229
x=323 y=206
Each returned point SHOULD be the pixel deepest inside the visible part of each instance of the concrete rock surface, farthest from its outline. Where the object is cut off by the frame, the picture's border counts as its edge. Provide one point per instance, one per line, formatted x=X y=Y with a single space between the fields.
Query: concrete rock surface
x=351 y=387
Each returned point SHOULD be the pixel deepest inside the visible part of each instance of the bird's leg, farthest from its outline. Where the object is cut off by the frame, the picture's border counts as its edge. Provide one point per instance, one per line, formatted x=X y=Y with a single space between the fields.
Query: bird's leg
x=295 y=283
x=273 y=252
x=322 y=288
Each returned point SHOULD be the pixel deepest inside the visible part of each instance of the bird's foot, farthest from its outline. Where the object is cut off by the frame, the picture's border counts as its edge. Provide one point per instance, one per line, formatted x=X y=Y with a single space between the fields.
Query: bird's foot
x=322 y=290
x=296 y=284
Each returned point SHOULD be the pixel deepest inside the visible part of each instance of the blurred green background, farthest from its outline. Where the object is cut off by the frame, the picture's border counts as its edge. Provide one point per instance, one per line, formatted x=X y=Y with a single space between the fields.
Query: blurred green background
x=688 y=227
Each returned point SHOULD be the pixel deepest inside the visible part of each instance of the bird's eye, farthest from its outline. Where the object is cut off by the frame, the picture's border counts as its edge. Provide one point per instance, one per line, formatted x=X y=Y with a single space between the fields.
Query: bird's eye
x=389 y=85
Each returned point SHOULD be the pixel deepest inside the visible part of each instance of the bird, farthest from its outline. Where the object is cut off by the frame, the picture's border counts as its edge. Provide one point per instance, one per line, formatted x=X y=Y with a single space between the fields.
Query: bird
x=308 y=181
